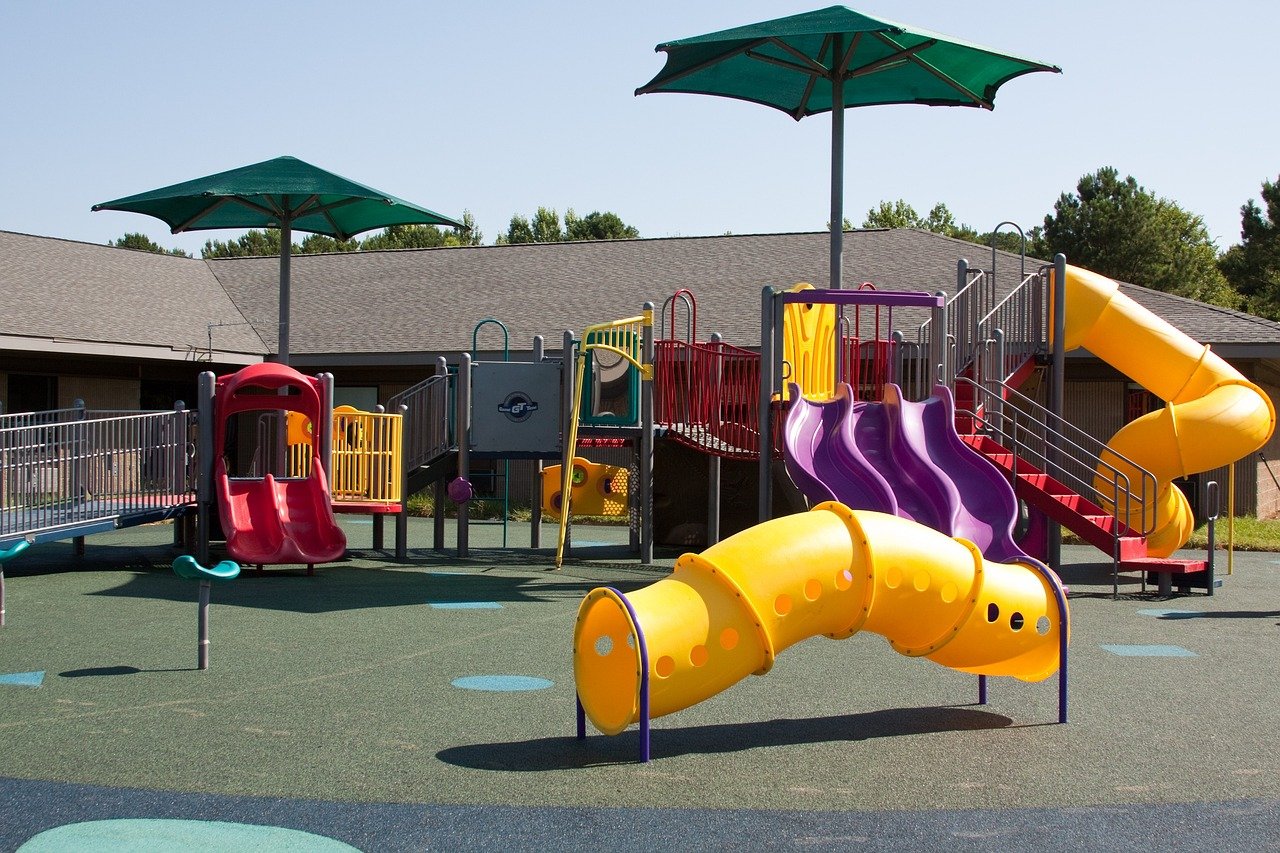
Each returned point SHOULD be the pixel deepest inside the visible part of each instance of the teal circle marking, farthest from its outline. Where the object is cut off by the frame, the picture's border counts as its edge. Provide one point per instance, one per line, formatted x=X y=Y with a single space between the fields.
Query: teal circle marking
x=117 y=836
x=502 y=683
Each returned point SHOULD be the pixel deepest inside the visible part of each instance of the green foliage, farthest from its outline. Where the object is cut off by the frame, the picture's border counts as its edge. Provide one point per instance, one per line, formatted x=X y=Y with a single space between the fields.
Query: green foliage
x=319 y=244
x=257 y=243
x=545 y=227
x=143 y=243
x=597 y=226
x=253 y=243
x=1253 y=267
x=900 y=214
x=424 y=236
x=1121 y=230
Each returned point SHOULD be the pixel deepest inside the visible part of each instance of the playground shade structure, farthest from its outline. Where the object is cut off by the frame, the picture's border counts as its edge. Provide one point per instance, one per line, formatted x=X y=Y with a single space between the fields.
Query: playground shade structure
x=269 y=521
x=901 y=458
x=728 y=612
x=1212 y=417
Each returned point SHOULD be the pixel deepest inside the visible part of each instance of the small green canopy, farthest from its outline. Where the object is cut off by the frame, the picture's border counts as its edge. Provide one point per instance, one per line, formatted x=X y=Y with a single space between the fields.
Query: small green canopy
x=284 y=193
x=808 y=63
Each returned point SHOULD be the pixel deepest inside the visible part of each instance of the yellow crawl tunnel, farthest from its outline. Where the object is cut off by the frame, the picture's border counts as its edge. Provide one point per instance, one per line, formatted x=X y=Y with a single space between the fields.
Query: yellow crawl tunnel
x=728 y=612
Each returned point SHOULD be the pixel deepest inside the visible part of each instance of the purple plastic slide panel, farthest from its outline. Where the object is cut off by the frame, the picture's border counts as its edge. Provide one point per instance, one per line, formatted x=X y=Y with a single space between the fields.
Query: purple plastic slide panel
x=923 y=492
x=822 y=466
x=988 y=508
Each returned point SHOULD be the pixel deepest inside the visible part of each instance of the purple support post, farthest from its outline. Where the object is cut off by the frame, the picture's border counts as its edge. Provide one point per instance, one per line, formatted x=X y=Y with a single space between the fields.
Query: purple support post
x=643 y=648
x=982 y=690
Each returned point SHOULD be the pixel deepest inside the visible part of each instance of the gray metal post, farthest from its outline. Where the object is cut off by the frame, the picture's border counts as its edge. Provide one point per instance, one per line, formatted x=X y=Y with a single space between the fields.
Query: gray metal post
x=324 y=429
x=437 y=520
x=939 y=362
x=646 y=441
x=713 y=473
x=570 y=390
x=402 y=517
x=282 y=316
x=202 y=626
x=1057 y=390
x=205 y=455
x=535 y=523
x=462 y=417
x=767 y=380
x=837 y=163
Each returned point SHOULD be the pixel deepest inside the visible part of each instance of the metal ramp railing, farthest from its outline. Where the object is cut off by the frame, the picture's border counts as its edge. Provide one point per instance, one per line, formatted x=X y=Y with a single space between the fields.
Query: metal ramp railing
x=61 y=478
x=425 y=407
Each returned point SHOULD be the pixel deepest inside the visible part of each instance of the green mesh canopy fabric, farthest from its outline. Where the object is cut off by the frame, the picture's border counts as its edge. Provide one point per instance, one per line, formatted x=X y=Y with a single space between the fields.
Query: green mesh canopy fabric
x=273 y=193
x=789 y=63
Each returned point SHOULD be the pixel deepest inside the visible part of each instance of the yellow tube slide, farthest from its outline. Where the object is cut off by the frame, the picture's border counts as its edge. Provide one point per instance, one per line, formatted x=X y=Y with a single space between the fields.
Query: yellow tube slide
x=1213 y=415
x=726 y=613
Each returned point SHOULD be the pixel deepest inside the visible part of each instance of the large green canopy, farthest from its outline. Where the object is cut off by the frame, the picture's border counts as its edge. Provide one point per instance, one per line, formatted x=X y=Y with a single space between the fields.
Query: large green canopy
x=284 y=193
x=810 y=63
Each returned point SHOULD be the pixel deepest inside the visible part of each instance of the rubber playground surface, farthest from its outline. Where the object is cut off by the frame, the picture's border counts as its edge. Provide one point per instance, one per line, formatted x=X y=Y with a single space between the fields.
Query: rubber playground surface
x=430 y=705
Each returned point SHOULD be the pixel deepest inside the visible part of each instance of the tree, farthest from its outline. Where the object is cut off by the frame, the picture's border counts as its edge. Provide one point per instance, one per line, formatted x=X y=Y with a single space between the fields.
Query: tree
x=256 y=242
x=252 y=243
x=597 y=226
x=545 y=227
x=143 y=243
x=1253 y=267
x=1121 y=230
x=424 y=236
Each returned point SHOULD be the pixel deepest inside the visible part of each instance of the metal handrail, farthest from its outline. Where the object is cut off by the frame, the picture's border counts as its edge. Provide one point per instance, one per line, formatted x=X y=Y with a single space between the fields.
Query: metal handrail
x=426 y=420
x=1077 y=446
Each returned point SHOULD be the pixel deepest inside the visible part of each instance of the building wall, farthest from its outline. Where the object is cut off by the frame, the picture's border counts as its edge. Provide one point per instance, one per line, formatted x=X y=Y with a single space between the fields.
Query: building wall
x=99 y=392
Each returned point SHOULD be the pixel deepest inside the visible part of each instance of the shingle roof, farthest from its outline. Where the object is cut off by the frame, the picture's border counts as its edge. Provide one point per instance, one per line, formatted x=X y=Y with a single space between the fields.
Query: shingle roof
x=61 y=289
x=431 y=299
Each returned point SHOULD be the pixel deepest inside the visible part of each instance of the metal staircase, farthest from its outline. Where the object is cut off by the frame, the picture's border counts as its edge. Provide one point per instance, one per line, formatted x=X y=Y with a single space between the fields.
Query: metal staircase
x=1000 y=343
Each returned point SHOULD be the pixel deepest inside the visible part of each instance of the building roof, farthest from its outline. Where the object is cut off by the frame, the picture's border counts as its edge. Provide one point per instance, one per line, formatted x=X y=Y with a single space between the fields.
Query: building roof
x=429 y=300
x=390 y=304
x=64 y=296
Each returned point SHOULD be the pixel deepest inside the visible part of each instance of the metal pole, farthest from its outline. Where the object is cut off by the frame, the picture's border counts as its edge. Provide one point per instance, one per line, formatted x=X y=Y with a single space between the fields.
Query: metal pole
x=462 y=417
x=569 y=374
x=766 y=400
x=713 y=474
x=535 y=523
x=202 y=627
x=205 y=452
x=646 y=439
x=402 y=517
x=837 y=163
x=1057 y=390
x=938 y=366
x=324 y=429
x=286 y=252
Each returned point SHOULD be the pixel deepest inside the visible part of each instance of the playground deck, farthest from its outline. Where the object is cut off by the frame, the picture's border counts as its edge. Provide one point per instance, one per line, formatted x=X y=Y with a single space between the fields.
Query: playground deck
x=338 y=705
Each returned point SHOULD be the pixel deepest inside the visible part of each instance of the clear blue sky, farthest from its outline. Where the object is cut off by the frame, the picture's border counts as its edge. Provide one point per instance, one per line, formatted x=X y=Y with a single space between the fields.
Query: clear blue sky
x=499 y=107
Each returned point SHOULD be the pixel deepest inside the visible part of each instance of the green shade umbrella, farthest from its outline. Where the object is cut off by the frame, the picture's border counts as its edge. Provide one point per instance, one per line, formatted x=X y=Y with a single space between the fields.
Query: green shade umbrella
x=808 y=63
x=284 y=193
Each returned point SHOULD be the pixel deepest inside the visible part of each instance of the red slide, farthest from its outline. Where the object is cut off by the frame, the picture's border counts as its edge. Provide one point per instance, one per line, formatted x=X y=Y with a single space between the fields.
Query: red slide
x=268 y=521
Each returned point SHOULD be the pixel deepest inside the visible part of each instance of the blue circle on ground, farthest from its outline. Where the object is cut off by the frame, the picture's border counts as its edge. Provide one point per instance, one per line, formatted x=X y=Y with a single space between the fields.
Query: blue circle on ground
x=110 y=836
x=502 y=683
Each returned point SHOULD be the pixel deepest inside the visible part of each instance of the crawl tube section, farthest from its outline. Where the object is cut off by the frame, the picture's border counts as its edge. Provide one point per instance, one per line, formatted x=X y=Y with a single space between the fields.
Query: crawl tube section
x=728 y=612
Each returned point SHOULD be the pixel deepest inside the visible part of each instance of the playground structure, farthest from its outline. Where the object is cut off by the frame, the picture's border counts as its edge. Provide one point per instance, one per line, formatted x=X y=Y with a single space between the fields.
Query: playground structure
x=989 y=345
x=719 y=617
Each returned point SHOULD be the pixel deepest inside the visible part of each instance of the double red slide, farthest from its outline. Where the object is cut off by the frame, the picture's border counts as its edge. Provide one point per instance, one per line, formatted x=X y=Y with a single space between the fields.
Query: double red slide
x=269 y=521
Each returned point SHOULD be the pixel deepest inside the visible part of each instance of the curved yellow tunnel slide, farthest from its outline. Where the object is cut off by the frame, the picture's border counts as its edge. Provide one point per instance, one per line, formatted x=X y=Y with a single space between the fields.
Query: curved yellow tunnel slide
x=1213 y=416
x=726 y=613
